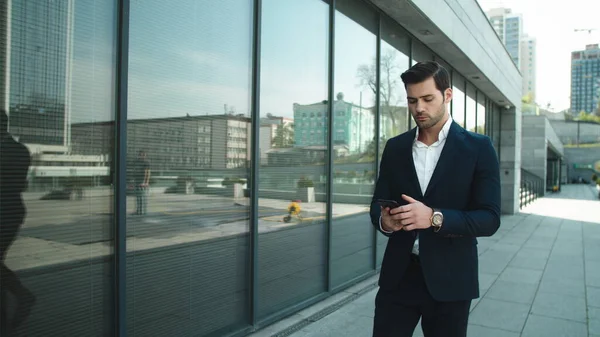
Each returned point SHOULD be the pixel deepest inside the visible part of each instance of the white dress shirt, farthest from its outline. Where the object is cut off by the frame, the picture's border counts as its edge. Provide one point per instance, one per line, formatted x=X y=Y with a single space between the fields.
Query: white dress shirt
x=425 y=159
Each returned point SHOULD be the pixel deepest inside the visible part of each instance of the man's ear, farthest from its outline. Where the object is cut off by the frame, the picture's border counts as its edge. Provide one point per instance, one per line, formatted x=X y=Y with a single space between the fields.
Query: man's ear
x=448 y=95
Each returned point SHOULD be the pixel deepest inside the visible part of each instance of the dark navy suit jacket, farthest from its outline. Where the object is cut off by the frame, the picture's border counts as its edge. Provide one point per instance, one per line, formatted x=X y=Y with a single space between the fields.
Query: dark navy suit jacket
x=466 y=187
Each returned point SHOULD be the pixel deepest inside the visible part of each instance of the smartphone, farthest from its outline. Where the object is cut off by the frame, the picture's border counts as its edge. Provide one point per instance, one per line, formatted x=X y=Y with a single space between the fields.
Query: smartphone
x=388 y=203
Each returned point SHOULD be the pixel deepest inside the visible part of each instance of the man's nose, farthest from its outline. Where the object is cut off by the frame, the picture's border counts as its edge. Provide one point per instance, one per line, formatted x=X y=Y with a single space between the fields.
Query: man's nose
x=419 y=107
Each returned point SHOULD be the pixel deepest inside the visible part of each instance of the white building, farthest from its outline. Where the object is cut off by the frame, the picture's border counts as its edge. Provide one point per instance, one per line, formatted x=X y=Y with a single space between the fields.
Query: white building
x=528 y=66
x=520 y=47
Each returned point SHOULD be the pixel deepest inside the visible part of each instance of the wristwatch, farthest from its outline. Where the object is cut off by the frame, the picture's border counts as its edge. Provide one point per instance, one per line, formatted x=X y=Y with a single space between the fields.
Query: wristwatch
x=437 y=219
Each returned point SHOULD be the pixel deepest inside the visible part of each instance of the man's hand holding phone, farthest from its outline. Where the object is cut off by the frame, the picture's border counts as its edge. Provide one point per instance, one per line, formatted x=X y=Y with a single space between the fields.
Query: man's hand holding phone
x=389 y=224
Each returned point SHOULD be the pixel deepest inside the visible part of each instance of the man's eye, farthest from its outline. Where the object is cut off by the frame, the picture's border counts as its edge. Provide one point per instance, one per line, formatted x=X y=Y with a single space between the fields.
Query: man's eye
x=428 y=99
x=412 y=101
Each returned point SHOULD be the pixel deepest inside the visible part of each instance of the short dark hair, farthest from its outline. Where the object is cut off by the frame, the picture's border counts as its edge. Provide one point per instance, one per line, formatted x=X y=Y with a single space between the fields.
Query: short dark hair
x=424 y=70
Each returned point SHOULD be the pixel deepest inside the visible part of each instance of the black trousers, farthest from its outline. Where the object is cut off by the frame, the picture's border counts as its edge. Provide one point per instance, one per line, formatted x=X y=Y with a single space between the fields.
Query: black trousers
x=397 y=311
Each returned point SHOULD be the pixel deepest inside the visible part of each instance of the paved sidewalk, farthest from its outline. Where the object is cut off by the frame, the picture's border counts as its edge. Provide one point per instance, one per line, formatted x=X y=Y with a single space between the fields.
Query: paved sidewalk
x=539 y=276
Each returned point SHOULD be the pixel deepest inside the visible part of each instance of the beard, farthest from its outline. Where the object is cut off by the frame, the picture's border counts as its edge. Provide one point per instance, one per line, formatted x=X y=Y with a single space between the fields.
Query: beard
x=433 y=120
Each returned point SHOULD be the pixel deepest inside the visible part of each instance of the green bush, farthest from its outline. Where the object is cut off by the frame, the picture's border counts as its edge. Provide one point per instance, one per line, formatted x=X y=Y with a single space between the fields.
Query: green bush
x=230 y=181
x=182 y=180
x=304 y=182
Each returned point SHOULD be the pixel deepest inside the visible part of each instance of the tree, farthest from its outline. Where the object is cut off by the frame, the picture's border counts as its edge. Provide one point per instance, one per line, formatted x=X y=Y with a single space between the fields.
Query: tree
x=588 y=117
x=391 y=99
x=284 y=136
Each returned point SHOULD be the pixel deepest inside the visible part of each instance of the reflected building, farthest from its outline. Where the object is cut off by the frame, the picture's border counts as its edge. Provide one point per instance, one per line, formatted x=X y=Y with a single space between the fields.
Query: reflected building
x=354 y=125
x=40 y=61
x=275 y=133
x=173 y=144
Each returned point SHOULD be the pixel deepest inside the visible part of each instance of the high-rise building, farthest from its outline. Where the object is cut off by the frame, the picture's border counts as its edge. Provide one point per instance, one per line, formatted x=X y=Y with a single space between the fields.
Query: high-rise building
x=520 y=47
x=585 y=79
x=509 y=27
x=40 y=60
x=528 y=66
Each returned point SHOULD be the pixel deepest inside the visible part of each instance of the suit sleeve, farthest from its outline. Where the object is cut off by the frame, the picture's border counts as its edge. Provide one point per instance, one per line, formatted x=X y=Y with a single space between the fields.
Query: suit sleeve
x=483 y=216
x=382 y=190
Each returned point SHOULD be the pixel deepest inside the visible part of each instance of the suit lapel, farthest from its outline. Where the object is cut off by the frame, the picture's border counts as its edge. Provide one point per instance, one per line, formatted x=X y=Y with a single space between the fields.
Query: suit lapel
x=446 y=157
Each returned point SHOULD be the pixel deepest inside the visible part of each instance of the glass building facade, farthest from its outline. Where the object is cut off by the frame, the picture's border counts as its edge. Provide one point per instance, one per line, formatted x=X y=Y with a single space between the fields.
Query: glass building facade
x=197 y=168
x=585 y=80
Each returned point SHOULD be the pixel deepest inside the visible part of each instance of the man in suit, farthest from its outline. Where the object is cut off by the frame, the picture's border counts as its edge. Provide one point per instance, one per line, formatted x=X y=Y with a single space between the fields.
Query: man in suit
x=446 y=182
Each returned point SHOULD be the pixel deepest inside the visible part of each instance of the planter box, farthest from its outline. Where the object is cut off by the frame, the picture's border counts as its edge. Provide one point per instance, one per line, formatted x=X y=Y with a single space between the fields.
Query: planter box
x=306 y=194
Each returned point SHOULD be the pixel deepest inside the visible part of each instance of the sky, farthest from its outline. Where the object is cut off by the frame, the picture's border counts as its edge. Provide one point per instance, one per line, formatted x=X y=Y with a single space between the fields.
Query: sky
x=195 y=58
x=553 y=23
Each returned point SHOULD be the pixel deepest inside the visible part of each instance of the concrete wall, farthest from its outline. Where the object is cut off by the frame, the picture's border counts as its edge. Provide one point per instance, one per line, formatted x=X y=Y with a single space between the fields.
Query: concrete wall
x=553 y=138
x=581 y=156
x=567 y=132
x=534 y=150
x=510 y=159
x=538 y=136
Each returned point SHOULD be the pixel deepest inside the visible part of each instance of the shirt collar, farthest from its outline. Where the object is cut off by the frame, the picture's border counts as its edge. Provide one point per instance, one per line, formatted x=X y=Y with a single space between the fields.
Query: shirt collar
x=443 y=132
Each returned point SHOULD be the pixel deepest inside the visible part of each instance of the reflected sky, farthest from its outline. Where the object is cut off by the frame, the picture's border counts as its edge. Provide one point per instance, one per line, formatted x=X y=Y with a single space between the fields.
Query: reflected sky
x=194 y=58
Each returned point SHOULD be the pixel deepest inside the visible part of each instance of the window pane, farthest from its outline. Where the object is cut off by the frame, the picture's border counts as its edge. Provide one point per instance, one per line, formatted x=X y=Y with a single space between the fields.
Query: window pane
x=354 y=140
x=58 y=190
x=394 y=61
x=471 y=106
x=481 y=113
x=458 y=100
x=394 y=116
x=420 y=53
x=293 y=146
x=188 y=157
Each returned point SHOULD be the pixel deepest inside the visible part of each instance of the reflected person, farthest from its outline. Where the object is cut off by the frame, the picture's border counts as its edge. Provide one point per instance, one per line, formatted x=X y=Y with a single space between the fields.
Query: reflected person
x=141 y=177
x=14 y=165
x=445 y=184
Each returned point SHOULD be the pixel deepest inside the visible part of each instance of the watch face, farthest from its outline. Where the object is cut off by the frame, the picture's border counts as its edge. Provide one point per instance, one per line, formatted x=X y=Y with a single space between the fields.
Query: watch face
x=437 y=219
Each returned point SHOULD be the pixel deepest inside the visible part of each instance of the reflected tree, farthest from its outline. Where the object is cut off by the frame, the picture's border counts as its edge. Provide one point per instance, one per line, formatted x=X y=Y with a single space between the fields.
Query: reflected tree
x=284 y=136
x=393 y=106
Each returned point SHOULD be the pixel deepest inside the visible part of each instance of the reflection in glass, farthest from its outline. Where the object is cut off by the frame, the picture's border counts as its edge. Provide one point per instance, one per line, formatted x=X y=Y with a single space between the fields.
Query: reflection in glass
x=394 y=117
x=458 y=99
x=293 y=150
x=471 y=106
x=489 y=119
x=393 y=109
x=188 y=146
x=353 y=139
x=481 y=113
x=420 y=53
x=56 y=224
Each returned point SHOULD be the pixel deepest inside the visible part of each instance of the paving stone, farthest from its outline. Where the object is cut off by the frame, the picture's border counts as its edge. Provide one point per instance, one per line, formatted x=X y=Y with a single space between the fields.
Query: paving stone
x=512 y=292
x=500 y=314
x=559 y=306
x=539 y=326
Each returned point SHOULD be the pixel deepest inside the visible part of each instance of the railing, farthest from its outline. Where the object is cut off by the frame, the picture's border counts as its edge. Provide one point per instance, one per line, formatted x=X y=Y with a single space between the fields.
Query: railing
x=532 y=187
